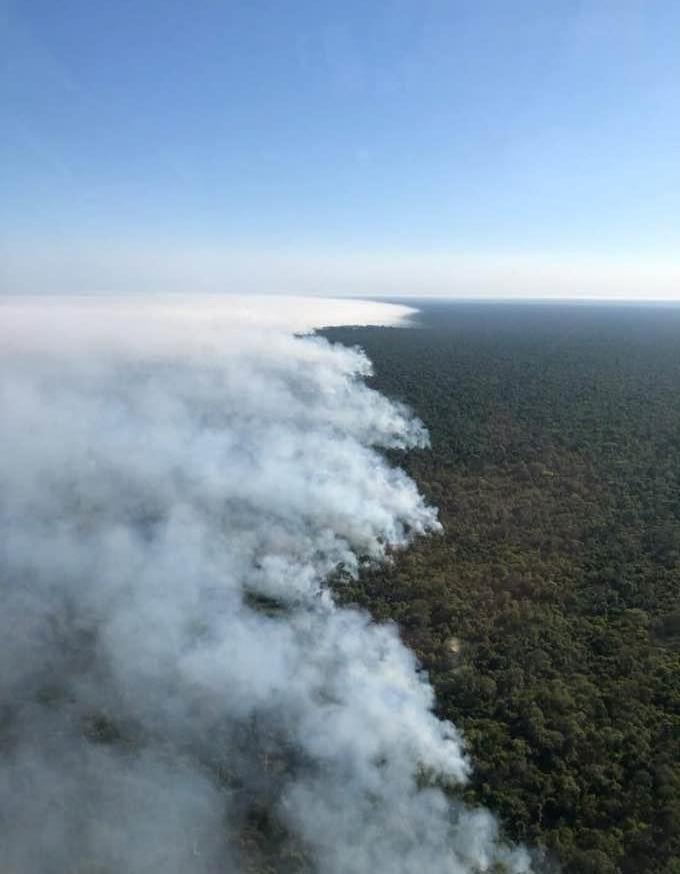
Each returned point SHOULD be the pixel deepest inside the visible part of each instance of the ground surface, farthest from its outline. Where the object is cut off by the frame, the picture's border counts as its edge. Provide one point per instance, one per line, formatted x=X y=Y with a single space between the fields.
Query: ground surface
x=548 y=613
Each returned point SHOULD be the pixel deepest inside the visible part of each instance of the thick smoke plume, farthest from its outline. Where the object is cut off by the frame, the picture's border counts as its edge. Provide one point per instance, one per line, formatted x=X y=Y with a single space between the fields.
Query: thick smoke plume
x=178 y=691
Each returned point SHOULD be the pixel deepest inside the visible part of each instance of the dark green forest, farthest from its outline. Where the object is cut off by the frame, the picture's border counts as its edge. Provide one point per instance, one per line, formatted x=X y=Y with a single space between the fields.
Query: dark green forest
x=547 y=614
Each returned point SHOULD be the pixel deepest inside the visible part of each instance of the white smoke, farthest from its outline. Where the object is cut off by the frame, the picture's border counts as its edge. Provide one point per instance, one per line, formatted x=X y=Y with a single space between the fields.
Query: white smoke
x=179 y=691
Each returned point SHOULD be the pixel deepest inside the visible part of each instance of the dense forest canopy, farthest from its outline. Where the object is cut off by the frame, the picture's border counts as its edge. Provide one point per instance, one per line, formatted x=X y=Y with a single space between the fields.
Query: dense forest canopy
x=548 y=613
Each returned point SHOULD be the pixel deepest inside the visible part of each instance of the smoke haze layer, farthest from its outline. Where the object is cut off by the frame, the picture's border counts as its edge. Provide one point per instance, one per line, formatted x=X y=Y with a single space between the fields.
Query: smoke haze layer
x=179 y=691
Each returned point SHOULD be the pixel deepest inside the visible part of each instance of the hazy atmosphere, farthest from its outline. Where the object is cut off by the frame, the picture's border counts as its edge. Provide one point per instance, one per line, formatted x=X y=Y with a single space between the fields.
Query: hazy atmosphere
x=434 y=148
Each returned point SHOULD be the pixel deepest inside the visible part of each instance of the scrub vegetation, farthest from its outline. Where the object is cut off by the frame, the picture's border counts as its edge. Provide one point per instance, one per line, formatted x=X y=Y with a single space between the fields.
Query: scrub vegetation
x=547 y=614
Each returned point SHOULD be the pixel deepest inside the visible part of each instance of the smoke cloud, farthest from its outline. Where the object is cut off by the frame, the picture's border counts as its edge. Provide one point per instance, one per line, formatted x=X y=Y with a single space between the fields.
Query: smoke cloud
x=178 y=690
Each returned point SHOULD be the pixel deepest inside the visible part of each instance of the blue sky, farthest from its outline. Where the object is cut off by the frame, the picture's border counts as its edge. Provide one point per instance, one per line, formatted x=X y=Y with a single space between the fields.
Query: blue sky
x=439 y=147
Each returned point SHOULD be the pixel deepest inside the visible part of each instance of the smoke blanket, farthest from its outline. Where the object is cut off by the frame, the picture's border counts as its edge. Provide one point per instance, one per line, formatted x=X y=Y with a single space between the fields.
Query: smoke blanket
x=178 y=691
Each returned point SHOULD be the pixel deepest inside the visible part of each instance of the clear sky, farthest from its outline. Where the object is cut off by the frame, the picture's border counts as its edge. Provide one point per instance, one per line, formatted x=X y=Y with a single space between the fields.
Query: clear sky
x=415 y=146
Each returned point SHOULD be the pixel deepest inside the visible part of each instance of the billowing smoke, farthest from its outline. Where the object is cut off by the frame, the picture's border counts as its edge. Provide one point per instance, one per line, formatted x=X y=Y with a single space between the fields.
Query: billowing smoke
x=178 y=690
